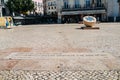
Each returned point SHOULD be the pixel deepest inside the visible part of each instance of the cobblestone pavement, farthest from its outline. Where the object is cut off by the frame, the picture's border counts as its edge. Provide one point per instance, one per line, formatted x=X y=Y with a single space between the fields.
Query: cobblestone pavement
x=60 y=38
x=62 y=75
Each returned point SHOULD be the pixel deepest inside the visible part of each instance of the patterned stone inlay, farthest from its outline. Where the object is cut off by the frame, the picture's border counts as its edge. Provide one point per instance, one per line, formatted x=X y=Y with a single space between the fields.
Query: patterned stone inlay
x=29 y=55
x=62 y=75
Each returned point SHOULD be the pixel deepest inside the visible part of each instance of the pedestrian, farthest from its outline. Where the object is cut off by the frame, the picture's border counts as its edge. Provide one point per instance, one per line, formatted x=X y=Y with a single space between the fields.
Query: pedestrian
x=98 y=20
x=10 y=21
x=7 y=23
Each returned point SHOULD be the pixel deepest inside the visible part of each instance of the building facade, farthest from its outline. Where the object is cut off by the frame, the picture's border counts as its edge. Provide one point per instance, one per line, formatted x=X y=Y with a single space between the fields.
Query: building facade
x=51 y=7
x=1 y=7
x=113 y=9
x=4 y=11
x=75 y=10
x=39 y=9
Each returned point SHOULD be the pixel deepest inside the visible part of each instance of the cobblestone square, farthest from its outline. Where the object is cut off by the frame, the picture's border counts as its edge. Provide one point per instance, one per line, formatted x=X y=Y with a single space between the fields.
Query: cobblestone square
x=29 y=52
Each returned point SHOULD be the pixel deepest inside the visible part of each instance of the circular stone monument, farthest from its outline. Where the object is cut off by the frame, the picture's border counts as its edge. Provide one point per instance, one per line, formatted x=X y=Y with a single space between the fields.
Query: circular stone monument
x=89 y=21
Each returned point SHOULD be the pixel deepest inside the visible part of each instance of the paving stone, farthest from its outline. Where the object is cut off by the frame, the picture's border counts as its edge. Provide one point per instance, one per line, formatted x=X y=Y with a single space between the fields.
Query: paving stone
x=1 y=77
x=35 y=39
x=90 y=75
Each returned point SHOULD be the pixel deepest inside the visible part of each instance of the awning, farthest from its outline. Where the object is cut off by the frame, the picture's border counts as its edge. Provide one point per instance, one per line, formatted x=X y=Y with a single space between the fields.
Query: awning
x=83 y=12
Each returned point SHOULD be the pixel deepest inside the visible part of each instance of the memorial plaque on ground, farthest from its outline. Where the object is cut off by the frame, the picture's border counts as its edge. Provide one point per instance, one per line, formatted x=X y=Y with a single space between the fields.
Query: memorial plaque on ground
x=63 y=61
x=26 y=55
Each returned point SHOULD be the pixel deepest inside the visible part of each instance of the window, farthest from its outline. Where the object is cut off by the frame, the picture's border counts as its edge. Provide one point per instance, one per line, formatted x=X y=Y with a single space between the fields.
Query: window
x=98 y=3
x=77 y=3
x=49 y=3
x=49 y=13
x=49 y=8
x=35 y=4
x=87 y=3
x=2 y=1
x=54 y=3
x=65 y=3
x=52 y=13
x=39 y=4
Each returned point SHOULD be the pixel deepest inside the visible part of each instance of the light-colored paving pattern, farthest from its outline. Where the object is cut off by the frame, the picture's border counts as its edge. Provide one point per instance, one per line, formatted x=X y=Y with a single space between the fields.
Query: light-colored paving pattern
x=65 y=39
x=62 y=75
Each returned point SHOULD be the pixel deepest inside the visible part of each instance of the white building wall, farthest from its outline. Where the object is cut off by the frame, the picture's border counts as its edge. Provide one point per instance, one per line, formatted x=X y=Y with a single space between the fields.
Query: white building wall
x=82 y=2
x=39 y=6
x=112 y=8
x=71 y=3
x=116 y=8
x=51 y=8
x=0 y=9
